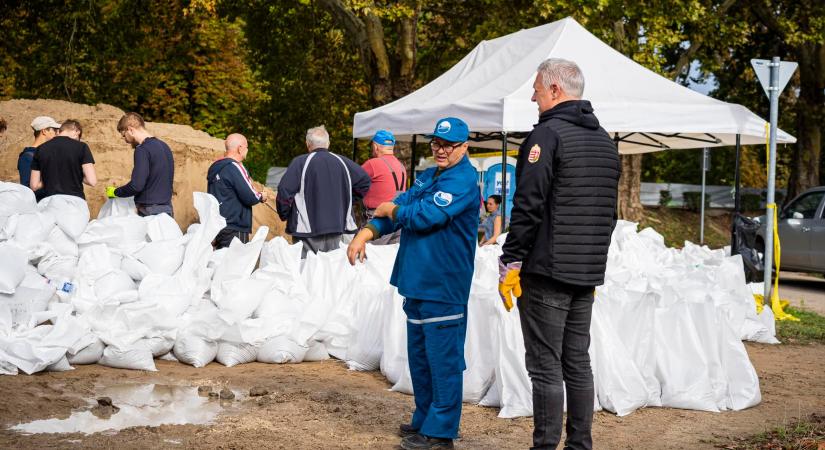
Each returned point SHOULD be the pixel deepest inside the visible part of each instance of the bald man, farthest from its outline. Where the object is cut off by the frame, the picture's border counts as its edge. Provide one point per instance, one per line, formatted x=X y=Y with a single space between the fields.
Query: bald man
x=230 y=183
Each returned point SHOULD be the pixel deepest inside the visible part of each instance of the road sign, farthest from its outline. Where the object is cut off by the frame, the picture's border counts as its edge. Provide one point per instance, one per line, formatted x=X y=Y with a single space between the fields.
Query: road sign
x=763 y=72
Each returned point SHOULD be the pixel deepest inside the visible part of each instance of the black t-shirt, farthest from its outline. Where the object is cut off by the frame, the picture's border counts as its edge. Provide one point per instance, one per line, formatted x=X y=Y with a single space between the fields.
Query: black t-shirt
x=60 y=162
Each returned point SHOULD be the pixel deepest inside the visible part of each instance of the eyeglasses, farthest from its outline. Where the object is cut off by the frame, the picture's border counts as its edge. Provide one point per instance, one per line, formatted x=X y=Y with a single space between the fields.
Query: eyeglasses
x=448 y=147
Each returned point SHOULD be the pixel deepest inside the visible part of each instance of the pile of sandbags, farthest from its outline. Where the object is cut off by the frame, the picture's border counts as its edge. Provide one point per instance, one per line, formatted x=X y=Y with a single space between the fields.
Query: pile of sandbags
x=122 y=290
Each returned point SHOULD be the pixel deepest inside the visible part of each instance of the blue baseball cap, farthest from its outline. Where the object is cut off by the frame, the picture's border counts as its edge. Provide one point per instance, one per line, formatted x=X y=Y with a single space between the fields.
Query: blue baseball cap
x=451 y=129
x=383 y=137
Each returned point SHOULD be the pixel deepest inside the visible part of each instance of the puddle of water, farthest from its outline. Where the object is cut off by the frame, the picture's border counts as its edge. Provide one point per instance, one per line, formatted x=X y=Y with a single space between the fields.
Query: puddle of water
x=140 y=405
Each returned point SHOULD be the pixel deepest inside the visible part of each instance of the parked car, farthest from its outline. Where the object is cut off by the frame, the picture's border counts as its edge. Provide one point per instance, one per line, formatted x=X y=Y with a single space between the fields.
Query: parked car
x=801 y=232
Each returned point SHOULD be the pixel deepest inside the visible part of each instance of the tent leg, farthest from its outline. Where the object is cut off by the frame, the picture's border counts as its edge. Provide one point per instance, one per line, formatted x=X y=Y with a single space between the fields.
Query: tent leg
x=736 y=198
x=355 y=149
x=503 y=179
x=413 y=159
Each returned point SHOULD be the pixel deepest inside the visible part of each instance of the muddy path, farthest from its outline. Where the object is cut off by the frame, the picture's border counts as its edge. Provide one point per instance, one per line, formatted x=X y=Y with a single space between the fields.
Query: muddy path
x=323 y=405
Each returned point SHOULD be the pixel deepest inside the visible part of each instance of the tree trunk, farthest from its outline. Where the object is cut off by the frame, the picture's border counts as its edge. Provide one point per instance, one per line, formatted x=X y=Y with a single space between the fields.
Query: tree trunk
x=630 y=184
x=810 y=114
x=630 y=189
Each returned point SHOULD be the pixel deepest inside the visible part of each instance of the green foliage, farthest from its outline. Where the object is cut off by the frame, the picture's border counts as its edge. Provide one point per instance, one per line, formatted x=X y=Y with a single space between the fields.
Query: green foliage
x=664 y=198
x=273 y=69
x=750 y=202
x=158 y=58
x=693 y=200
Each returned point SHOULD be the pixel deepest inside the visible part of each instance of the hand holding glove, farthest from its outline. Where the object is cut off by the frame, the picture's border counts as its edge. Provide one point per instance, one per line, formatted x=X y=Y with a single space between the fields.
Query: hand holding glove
x=509 y=282
x=110 y=192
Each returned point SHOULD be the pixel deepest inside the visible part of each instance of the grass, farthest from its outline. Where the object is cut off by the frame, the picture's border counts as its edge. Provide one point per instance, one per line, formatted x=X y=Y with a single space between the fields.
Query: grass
x=680 y=225
x=805 y=434
x=809 y=329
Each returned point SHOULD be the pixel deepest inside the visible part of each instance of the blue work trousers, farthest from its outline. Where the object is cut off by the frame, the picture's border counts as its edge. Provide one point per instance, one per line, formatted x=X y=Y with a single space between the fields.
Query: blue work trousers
x=435 y=350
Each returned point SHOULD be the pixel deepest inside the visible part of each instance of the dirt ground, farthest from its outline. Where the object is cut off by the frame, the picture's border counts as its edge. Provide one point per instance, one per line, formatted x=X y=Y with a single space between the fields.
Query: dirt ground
x=323 y=405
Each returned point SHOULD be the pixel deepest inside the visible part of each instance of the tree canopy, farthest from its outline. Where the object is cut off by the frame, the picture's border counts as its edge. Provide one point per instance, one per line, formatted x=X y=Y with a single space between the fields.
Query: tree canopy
x=273 y=69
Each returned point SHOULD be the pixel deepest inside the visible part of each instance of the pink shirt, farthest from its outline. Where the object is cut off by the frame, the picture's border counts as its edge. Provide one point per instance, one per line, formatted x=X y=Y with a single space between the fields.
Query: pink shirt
x=383 y=186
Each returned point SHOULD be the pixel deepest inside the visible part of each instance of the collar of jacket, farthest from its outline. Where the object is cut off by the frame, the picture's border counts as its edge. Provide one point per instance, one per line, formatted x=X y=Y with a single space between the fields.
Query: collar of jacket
x=579 y=112
x=320 y=149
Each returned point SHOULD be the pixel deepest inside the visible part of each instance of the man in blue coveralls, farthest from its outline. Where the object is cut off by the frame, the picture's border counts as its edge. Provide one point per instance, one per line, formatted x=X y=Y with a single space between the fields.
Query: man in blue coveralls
x=438 y=219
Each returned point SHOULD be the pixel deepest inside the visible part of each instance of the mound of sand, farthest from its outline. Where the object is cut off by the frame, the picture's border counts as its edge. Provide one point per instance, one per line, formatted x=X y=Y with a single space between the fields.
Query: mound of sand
x=193 y=150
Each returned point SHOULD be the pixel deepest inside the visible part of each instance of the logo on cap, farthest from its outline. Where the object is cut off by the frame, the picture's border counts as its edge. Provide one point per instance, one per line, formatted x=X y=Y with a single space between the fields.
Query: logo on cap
x=444 y=127
x=442 y=199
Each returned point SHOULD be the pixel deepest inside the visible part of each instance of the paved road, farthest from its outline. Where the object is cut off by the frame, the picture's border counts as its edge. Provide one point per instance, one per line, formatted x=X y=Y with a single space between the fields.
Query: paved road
x=803 y=290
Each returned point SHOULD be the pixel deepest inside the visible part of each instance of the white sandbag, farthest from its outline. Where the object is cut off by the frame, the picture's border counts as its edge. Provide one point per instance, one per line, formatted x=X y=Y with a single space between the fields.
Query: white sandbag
x=680 y=364
x=134 y=268
x=231 y=354
x=118 y=207
x=134 y=358
x=16 y=199
x=199 y=247
x=173 y=293
x=621 y=386
x=115 y=231
x=161 y=257
x=157 y=345
x=61 y=243
x=60 y=366
x=516 y=389
x=394 y=340
x=195 y=350
x=365 y=349
x=90 y=354
x=32 y=229
x=12 y=267
x=317 y=352
x=115 y=285
x=161 y=227
x=70 y=212
x=30 y=297
x=281 y=350
x=241 y=297
x=238 y=262
x=481 y=323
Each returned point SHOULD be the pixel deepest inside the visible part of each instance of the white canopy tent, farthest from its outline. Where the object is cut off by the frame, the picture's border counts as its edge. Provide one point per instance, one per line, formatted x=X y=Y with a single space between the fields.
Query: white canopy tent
x=490 y=89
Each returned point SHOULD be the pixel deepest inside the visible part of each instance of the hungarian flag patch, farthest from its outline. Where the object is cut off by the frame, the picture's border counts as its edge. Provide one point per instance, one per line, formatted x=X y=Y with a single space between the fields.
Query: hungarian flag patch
x=534 y=154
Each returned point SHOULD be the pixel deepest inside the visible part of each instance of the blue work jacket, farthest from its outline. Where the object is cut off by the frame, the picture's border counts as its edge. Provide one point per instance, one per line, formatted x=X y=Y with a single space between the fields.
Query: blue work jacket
x=438 y=218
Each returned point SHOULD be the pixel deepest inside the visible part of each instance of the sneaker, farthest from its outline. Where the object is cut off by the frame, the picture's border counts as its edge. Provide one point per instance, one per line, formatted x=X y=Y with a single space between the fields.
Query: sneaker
x=421 y=442
x=406 y=429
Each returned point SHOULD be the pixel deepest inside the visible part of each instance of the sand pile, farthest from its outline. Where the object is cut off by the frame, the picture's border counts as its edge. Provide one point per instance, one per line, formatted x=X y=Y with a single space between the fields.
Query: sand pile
x=194 y=151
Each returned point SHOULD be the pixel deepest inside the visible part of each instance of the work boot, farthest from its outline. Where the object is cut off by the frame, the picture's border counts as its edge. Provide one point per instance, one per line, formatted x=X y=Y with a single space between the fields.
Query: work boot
x=406 y=429
x=420 y=442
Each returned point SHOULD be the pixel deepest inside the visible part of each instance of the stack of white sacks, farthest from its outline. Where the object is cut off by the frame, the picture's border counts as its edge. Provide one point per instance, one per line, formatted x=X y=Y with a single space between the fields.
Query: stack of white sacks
x=122 y=290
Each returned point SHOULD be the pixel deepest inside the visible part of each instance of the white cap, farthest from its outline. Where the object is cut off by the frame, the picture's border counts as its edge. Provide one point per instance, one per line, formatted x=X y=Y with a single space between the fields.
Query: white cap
x=43 y=122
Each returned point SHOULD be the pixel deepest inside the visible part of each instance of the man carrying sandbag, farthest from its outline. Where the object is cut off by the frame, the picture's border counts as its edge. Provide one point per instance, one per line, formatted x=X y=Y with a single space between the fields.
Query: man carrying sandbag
x=63 y=164
x=438 y=219
x=153 y=172
x=316 y=194
x=231 y=185
x=564 y=211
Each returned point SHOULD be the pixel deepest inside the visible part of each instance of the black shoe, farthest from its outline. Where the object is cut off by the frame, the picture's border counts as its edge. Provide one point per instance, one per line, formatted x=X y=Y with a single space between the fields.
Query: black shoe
x=421 y=442
x=406 y=429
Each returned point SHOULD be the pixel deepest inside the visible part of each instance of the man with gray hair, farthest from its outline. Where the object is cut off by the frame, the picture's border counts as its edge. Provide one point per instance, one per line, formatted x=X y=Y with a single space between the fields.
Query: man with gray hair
x=316 y=194
x=564 y=212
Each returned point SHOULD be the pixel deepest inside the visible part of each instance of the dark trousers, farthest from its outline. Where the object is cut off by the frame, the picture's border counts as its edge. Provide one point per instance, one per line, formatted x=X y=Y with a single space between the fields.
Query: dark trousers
x=225 y=236
x=323 y=243
x=152 y=210
x=555 y=321
x=435 y=354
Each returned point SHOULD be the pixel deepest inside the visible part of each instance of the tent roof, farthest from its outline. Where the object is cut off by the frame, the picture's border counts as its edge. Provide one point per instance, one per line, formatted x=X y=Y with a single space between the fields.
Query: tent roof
x=491 y=87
